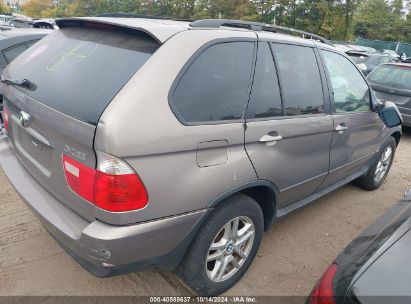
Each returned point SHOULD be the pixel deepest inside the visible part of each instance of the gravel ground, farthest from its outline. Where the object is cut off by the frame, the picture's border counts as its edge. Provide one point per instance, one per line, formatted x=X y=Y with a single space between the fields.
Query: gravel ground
x=294 y=253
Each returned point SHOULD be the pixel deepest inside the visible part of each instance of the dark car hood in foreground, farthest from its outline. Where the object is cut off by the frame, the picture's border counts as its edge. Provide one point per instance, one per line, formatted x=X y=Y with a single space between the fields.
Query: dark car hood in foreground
x=388 y=277
x=364 y=251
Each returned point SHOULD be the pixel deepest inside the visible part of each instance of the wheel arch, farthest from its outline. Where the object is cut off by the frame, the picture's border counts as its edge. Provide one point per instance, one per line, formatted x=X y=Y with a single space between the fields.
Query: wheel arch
x=263 y=192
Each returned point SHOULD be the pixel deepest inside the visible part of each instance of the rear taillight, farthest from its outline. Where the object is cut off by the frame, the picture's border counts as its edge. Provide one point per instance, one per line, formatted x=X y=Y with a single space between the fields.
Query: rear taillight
x=114 y=186
x=6 y=115
x=117 y=187
x=80 y=178
x=323 y=292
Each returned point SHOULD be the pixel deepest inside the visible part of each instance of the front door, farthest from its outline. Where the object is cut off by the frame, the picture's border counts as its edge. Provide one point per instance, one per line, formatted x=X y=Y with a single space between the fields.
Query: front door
x=357 y=129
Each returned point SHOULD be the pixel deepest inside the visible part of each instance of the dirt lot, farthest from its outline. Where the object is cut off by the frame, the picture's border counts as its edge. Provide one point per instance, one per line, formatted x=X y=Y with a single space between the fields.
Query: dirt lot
x=294 y=252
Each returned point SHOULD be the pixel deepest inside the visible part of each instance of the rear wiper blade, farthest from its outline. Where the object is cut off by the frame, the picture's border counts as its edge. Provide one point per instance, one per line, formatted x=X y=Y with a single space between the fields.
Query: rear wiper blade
x=25 y=83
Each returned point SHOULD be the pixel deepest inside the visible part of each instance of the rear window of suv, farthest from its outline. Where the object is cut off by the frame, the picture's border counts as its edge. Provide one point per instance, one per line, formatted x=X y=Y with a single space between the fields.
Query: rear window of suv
x=395 y=76
x=78 y=71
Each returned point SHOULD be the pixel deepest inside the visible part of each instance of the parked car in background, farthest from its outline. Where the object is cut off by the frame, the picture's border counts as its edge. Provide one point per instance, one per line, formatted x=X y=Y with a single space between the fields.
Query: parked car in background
x=361 y=49
x=20 y=22
x=12 y=43
x=5 y=20
x=45 y=24
x=368 y=62
x=392 y=54
x=342 y=48
x=375 y=268
x=156 y=143
x=392 y=82
x=403 y=57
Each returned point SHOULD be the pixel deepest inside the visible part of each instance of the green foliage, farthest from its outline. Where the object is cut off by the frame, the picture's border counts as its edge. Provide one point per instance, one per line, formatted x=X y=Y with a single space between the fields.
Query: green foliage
x=334 y=19
x=383 y=20
x=4 y=9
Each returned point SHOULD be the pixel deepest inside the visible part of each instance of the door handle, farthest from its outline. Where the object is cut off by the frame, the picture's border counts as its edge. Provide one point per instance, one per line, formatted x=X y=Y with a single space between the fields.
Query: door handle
x=341 y=128
x=271 y=138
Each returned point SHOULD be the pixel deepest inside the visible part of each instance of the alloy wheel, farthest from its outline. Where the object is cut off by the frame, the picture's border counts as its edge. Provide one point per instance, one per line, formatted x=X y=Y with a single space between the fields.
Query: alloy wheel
x=383 y=164
x=230 y=249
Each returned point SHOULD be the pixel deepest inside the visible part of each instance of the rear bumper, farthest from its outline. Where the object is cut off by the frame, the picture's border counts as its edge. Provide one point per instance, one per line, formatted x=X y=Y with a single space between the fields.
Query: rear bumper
x=101 y=248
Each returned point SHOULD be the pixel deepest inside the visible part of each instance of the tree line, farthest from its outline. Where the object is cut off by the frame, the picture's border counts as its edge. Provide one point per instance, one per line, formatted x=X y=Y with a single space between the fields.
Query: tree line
x=338 y=20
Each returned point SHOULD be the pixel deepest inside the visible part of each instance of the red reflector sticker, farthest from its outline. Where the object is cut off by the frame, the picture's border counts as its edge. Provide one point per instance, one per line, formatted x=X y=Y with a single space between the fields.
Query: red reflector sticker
x=6 y=116
x=115 y=193
x=80 y=178
x=72 y=169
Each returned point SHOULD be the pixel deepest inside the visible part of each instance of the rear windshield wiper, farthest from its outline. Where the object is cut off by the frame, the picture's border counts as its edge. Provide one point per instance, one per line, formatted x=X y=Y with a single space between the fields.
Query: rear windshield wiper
x=25 y=83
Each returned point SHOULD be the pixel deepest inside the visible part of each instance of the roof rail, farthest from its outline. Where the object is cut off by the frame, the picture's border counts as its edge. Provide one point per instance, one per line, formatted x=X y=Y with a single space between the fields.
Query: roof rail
x=255 y=26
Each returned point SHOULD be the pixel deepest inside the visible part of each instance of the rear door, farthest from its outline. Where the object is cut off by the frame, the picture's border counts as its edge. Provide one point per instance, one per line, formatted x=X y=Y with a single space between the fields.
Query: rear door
x=74 y=74
x=289 y=131
x=357 y=129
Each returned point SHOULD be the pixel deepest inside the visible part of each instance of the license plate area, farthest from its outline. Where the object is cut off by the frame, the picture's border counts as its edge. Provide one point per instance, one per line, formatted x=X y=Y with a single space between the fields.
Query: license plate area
x=37 y=153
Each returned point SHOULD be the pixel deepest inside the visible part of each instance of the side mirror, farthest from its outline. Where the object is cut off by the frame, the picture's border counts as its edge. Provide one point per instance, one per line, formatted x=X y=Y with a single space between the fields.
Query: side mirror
x=376 y=104
x=390 y=115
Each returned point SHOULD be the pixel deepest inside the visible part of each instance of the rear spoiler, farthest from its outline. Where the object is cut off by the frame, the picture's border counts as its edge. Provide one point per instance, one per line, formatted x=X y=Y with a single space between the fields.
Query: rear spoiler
x=65 y=23
x=157 y=31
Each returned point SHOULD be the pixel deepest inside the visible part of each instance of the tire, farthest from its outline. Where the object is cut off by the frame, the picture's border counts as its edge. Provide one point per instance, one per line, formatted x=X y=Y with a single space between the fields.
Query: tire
x=372 y=180
x=203 y=277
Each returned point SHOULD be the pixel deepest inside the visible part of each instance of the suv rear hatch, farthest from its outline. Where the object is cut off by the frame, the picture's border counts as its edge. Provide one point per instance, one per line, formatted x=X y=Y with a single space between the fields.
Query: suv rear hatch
x=73 y=74
x=392 y=82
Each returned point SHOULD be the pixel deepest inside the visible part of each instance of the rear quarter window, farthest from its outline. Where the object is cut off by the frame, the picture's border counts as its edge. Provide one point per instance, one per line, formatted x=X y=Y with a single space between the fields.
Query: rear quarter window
x=3 y=61
x=12 y=52
x=215 y=86
x=78 y=71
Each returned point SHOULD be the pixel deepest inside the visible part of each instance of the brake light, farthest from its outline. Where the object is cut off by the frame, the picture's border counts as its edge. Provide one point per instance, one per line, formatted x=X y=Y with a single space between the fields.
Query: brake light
x=114 y=186
x=98 y=25
x=6 y=115
x=323 y=292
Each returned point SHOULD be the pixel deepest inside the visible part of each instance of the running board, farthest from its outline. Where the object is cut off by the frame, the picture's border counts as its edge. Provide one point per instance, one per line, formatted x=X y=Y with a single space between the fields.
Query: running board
x=290 y=208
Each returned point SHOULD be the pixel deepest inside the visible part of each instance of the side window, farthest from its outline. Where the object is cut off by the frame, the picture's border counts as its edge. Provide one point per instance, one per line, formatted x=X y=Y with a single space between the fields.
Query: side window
x=351 y=92
x=265 y=98
x=300 y=80
x=215 y=86
x=31 y=43
x=14 y=51
x=3 y=61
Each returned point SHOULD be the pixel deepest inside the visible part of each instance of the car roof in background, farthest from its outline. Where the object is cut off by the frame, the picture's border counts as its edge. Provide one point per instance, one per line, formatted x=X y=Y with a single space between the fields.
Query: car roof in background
x=401 y=64
x=353 y=53
x=17 y=32
x=376 y=54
